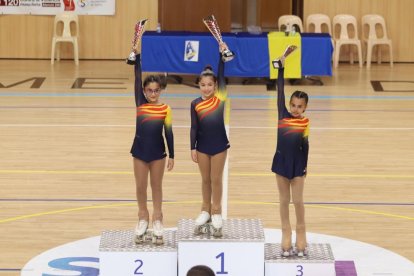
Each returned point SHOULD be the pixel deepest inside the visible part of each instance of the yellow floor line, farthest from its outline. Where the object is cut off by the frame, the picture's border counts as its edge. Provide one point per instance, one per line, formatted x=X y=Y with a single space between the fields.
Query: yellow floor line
x=360 y=211
x=197 y=202
x=328 y=207
x=66 y=211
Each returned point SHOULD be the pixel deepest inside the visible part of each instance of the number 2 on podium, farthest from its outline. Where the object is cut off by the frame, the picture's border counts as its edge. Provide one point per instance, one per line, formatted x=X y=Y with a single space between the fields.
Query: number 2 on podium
x=221 y=256
x=140 y=264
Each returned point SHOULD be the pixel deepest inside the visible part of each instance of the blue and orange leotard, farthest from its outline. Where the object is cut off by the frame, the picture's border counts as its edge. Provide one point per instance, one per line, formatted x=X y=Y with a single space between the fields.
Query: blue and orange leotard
x=208 y=133
x=151 y=119
x=291 y=157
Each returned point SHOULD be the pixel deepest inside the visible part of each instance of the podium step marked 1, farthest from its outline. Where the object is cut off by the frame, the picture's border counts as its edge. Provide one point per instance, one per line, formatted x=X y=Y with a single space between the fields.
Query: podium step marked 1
x=241 y=251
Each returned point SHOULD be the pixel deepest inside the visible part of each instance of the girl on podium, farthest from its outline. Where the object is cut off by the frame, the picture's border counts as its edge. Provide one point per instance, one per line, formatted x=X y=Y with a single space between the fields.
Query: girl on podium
x=209 y=144
x=148 y=151
x=290 y=160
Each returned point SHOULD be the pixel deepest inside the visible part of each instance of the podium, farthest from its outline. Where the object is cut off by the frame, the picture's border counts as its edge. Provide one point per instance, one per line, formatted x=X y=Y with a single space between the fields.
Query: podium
x=318 y=261
x=119 y=255
x=240 y=251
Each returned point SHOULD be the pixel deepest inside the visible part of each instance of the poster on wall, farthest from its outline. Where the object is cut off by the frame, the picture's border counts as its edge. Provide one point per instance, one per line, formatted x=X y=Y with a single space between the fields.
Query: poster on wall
x=52 y=7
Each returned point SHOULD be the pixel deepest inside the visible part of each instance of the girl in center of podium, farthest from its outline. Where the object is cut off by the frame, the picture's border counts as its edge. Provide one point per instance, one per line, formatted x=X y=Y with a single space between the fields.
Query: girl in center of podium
x=149 y=152
x=290 y=160
x=209 y=145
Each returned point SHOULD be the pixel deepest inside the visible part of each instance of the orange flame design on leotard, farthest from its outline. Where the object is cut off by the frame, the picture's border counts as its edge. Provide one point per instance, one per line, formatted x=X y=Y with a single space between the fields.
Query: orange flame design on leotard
x=206 y=107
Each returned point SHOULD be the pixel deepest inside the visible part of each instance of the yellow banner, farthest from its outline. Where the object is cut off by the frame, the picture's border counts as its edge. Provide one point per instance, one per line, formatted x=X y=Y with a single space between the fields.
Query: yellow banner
x=277 y=45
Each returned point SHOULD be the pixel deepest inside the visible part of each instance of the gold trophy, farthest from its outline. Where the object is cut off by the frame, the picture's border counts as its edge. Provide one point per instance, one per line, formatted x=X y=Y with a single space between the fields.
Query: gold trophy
x=279 y=62
x=139 y=31
x=211 y=23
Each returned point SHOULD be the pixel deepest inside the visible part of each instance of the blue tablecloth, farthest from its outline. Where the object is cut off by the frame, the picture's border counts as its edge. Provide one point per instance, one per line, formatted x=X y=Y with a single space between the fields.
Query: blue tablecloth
x=317 y=52
x=165 y=52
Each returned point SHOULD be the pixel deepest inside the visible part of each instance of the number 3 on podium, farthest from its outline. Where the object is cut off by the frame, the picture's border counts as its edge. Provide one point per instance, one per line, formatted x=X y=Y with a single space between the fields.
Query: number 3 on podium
x=300 y=270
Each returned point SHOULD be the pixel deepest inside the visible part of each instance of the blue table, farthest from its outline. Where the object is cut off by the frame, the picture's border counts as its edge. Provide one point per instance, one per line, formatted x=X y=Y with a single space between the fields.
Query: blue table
x=317 y=52
x=165 y=52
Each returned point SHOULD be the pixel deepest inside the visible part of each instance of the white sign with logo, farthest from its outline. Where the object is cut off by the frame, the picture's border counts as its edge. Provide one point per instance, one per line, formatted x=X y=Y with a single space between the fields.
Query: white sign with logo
x=191 y=50
x=83 y=7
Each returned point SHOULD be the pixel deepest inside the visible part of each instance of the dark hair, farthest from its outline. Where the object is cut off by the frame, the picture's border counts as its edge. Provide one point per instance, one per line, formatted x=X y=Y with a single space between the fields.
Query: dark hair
x=207 y=72
x=157 y=79
x=300 y=95
x=200 y=270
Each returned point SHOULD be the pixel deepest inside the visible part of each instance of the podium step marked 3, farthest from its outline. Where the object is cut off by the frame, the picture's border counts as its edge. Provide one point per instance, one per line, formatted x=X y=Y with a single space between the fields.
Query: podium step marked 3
x=319 y=261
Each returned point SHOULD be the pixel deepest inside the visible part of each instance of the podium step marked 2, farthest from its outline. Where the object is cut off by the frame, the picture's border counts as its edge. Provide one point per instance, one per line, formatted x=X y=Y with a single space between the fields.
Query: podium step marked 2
x=119 y=255
x=319 y=259
x=240 y=251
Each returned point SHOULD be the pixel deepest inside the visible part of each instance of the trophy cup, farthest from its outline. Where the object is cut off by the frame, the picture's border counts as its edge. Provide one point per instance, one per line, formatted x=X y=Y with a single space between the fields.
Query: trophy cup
x=139 y=30
x=279 y=62
x=69 y=5
x=211 y=23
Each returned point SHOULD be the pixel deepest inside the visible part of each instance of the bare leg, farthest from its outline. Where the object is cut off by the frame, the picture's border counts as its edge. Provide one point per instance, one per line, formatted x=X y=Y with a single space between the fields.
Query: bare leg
x=283 y=185
x=217 y=167
x=157 y=168
x=204 y=166
x=297 y=198
x=141 y=170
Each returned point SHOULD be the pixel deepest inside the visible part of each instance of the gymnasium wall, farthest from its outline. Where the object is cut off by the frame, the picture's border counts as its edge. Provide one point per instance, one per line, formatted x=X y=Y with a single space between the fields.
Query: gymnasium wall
x=109 y=37
x=101 y=37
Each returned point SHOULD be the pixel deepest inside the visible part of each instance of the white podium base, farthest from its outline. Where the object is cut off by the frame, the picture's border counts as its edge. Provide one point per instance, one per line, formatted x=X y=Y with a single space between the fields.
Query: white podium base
x=239 y=252
x=319 y=261
x=119 y=255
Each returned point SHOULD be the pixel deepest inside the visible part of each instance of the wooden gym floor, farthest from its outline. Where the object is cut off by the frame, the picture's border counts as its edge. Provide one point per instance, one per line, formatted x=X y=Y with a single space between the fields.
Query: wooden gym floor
x=66 y=172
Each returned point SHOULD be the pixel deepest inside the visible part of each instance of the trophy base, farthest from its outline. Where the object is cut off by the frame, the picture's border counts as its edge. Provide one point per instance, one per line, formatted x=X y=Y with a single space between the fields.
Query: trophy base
x=227 y=55
x=130 y=62
x=277 y=63
x=132 y=58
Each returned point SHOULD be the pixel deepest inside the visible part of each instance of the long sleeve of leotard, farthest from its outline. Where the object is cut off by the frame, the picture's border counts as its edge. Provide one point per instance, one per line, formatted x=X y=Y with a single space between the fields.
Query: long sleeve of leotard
x=139 y=93
x=169 y=137
x=222 y=90
x=305 y=145
x=194 y=127
x=281 y=105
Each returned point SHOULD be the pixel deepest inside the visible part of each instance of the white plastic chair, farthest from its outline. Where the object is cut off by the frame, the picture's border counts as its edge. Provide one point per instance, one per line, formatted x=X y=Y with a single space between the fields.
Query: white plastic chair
x=318 y=20
x=371 y=39
x=344 y=20
x=66 y=18
x=292 y=20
